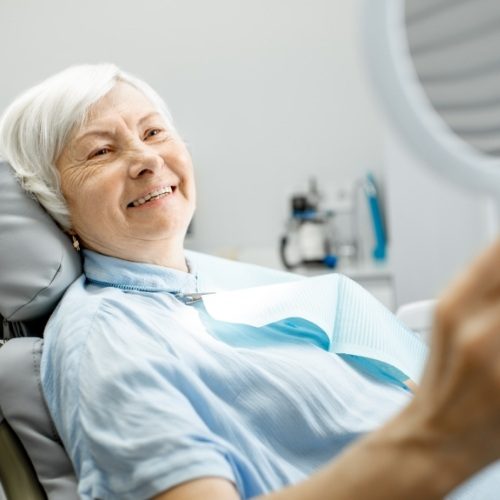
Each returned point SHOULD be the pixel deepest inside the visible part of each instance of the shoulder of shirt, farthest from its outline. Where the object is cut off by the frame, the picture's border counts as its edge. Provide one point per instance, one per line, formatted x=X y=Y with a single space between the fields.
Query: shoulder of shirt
x=82 y=310
x=92 y=322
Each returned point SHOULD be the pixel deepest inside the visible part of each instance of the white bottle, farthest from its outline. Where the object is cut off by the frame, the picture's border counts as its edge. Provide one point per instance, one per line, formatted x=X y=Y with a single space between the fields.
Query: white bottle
x=311 y=241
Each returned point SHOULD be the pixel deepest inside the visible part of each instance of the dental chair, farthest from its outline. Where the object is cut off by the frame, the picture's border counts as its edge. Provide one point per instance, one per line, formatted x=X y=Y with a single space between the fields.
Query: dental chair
x=37 y=264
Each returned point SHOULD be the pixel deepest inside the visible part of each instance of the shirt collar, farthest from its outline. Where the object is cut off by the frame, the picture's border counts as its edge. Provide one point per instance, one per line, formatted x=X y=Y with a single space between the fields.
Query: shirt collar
x=119 y=273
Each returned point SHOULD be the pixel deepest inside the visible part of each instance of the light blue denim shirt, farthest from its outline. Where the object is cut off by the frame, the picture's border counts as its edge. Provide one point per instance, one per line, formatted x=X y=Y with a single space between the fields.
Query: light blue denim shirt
x=148 y=392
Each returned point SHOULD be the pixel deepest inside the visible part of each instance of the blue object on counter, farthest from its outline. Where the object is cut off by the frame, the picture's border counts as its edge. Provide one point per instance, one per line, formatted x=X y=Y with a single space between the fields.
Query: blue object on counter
x=379 y=251
x=330 y=261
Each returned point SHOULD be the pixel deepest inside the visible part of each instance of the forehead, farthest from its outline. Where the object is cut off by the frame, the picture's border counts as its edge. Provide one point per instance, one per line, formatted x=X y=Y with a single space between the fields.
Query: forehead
x=124 y=101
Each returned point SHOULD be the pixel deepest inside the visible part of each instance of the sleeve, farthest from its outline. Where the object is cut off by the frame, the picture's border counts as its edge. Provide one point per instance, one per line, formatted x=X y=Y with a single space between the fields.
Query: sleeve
x=140 y=433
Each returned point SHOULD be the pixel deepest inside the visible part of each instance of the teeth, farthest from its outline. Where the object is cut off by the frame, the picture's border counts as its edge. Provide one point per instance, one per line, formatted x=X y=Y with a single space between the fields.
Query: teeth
x=154 y=194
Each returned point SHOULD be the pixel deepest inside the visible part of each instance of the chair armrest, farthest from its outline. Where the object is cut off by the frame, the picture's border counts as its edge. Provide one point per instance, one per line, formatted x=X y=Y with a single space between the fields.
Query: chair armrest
x=418 y=316
x=22 y=405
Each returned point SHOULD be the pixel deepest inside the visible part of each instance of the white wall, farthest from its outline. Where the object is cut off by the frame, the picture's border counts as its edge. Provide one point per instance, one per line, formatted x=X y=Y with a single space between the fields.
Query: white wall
x=437 y=227
x=267 y=92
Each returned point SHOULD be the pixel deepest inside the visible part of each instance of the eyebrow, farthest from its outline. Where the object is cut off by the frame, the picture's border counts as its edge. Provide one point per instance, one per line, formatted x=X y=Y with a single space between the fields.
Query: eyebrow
x=99 y=132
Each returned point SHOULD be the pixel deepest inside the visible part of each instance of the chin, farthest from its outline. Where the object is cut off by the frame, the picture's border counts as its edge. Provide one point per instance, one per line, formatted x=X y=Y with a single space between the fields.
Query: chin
x=170 y=233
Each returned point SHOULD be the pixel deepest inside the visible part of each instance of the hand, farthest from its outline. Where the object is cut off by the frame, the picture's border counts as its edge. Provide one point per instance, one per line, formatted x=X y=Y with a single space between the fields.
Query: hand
x=457 y=407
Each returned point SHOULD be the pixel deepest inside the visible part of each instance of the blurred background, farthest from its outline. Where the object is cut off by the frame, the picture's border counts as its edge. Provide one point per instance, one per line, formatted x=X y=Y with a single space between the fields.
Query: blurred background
x=291 y=150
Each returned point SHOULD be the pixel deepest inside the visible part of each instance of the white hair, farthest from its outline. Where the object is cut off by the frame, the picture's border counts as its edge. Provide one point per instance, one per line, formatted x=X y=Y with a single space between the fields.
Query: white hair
x=36 y=126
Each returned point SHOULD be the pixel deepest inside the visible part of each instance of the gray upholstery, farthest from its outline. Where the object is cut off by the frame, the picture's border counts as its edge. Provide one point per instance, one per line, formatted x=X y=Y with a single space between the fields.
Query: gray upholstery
x=23 y=406
x=37 y=262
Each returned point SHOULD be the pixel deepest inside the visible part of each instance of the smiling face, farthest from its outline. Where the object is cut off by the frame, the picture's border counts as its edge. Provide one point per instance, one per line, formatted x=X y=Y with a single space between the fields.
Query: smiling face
x=128 y=181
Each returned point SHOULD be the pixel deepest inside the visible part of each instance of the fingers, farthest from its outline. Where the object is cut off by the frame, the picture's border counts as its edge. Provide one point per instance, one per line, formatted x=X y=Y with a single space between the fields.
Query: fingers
x=472 y=347
x=473 y=300
x=478 y=339
x=459 y=395
x=478 y=283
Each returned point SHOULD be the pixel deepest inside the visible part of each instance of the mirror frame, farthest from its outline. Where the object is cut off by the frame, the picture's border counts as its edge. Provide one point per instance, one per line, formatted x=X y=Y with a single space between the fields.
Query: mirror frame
x=408 y=107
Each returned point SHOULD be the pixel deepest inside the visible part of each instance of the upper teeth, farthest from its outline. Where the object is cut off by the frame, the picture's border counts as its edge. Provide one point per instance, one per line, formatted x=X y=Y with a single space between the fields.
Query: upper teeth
x=153 y=194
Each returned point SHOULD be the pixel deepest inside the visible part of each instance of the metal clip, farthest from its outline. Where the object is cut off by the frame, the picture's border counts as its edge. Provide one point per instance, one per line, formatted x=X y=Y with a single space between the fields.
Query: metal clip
x=191 y=298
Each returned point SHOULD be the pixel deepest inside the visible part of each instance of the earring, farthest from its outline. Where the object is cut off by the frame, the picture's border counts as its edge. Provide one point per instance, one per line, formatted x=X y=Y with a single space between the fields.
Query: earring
x=76 y=243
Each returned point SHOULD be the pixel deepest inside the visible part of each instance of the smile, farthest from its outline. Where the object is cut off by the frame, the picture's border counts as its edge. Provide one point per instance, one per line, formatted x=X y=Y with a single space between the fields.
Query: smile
x=153 y=195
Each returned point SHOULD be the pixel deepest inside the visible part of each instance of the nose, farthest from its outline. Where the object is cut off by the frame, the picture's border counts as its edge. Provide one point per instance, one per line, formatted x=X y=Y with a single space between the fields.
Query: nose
x=144 y=161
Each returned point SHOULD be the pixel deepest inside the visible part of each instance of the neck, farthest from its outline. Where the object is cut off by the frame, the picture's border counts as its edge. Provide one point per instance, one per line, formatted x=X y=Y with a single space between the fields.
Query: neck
x=161 y=253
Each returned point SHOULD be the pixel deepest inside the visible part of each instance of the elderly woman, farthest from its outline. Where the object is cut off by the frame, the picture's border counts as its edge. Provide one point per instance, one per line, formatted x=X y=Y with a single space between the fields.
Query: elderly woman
x=154 y=398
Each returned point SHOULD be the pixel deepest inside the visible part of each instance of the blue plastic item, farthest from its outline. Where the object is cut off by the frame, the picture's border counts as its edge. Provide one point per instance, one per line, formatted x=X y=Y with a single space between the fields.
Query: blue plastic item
x=330 y=261
x=379 y=250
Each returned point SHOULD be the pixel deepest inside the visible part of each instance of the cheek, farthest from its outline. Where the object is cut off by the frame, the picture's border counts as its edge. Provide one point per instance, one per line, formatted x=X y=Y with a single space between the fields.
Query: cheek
x=74 y=182
x=83 y=209
x=180 y=159
x=92 y=202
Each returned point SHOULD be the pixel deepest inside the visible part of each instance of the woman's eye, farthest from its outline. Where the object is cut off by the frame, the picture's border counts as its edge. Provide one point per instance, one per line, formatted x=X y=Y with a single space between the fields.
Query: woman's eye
x=99 y=152
x=152 y=132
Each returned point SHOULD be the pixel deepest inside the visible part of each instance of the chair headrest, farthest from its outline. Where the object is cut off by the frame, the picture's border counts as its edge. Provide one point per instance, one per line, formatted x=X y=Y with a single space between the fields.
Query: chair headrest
x=37 y=261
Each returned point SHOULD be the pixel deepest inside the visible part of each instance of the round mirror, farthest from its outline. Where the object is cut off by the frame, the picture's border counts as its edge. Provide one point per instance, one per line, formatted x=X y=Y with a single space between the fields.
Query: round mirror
x=436 y=67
